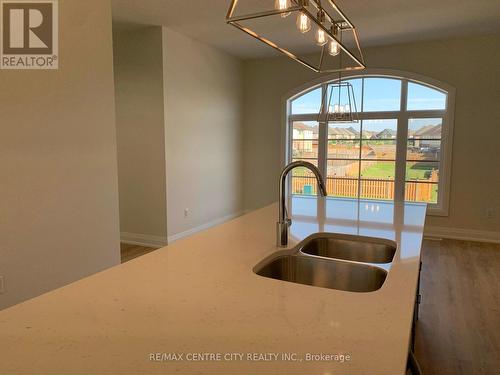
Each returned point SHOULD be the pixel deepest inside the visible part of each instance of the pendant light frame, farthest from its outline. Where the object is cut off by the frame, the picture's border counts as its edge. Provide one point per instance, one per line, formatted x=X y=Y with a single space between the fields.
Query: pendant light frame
x=337 y=91
x=343 y=24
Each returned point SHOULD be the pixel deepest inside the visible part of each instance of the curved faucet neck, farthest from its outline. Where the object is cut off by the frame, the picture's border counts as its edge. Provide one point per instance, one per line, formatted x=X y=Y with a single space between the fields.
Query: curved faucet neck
x=283 y=219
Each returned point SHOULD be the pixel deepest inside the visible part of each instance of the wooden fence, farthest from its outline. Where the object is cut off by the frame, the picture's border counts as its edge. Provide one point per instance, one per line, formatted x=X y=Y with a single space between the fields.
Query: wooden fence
x=372 y=189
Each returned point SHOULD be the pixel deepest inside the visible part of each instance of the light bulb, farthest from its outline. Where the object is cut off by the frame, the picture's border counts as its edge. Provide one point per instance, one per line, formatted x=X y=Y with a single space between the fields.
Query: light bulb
x=303 y=23
x=282 y=5
x=333 y=48
x=320 y=37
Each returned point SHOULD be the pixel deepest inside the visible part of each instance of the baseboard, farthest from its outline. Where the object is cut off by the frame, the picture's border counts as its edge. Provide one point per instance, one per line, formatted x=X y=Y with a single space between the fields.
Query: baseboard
x=211 y=224
x=143 y=239
x=462 y=234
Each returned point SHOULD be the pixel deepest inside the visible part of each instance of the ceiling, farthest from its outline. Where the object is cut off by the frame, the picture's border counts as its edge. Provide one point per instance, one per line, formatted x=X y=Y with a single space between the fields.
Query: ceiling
x=379 y=22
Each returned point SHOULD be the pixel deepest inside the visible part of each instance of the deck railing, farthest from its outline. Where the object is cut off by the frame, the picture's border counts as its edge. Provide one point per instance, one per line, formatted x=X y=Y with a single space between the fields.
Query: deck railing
x=370 y=188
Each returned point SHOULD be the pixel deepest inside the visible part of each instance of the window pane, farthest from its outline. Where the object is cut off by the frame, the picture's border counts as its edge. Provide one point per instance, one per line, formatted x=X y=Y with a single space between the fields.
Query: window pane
x=419 y=149
x=343 y=168
x=301 y=171
x=361 y=156
x=425 y=128
x=421 y=192
x=379 y=149
x=380 y=129
x=357 y=85
x=377 y=189
x=382 y=94
x=304 y=185
x=305 y=130
x=342 y=187
x=422 y=171
x=378 y=170
x=349 y=130
x=343 y=149
x=305 y=149
x=421 y=97
x=424 y=143
x=357 y=88
x=307 y=103
x=303 y=180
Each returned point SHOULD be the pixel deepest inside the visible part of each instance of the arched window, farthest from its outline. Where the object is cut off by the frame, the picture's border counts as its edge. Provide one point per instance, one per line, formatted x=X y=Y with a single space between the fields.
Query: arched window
x=400 y=148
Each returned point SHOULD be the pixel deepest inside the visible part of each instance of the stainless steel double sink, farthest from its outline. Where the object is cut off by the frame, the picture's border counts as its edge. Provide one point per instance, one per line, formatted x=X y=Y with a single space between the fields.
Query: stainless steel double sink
x=334 y=261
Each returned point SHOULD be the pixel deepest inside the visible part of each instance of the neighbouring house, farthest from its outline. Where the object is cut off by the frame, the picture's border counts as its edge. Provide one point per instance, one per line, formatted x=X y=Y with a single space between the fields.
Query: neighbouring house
x=385 y=134
x=303 y=136
x=342 y=133
x=426 y=141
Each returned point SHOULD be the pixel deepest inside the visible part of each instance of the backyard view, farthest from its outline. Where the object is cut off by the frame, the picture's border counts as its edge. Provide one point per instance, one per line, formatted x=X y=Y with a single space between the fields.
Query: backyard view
x=361 y=156
x=366 y=166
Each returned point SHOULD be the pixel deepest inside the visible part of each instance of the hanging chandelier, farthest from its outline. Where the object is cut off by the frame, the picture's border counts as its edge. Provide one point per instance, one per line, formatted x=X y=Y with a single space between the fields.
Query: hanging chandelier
x=338 y=104
x=307 y=28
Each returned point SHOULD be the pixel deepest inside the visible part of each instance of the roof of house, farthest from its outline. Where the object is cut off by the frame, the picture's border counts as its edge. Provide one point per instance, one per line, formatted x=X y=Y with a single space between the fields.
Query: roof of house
x=344 y=132
x=302 y=126
x=386 y=133
x=429 y=131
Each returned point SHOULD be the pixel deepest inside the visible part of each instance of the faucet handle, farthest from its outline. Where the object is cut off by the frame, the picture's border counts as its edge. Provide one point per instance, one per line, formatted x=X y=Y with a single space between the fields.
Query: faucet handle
x=288 y=221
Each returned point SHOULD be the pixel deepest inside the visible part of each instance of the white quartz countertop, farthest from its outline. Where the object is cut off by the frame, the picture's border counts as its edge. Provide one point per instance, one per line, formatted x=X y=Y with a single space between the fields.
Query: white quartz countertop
x=200 y=295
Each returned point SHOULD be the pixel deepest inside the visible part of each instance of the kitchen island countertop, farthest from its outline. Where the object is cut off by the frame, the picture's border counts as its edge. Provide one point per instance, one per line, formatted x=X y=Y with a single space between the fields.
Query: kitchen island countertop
x=200 y=296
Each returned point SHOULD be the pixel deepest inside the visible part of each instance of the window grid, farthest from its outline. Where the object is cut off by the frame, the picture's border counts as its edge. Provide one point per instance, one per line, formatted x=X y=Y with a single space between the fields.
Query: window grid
x=402 y=117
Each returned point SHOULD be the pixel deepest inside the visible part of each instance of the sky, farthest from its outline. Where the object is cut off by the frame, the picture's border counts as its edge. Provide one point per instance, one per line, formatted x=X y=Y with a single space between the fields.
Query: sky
x=380 y=94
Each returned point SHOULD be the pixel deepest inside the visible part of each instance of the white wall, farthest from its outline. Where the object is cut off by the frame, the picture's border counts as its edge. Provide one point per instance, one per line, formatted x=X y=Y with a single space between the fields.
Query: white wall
x=203 y=95
x=471 y=65
x=58 y=169
x=138 y=64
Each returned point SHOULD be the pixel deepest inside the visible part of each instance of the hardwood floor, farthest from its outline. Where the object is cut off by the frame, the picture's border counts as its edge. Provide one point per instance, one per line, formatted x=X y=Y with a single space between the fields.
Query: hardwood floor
x=129 y=252
x=458 y=331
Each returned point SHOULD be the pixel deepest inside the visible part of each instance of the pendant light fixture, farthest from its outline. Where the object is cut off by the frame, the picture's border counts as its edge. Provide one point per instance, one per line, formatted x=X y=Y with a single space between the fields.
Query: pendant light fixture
x=303 y=23
x=333 y=45
x=321 y=37
x=283 y=5
x=339 y=102
x=317 y=23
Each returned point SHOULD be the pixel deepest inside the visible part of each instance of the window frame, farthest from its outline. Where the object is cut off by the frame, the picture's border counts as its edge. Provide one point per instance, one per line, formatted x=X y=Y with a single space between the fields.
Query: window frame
x=403 y=116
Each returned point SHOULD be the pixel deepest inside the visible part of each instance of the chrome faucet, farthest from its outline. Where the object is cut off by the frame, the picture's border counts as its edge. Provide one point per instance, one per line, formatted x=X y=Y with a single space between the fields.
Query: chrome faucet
x=283 y=220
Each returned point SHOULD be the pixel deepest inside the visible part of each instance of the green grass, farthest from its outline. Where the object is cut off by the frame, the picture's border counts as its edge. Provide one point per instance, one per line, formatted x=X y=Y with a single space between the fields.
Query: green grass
x=301 y=171
x=420 y=171
x=434 y=196
x=380 y=170
x=415 y=174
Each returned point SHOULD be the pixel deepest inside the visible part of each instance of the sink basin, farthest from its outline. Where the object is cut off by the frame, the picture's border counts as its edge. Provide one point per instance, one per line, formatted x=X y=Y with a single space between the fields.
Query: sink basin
x=346 y=247
x=325 y=273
